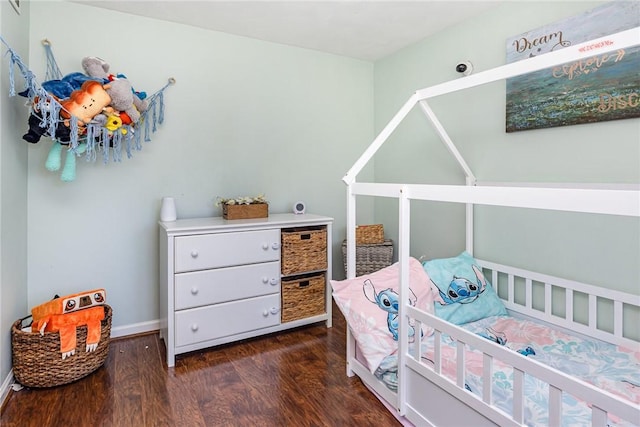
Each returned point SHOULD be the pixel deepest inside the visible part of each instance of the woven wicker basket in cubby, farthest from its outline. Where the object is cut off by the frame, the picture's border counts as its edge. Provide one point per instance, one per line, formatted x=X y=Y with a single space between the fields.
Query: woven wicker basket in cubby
x=303 y=296
x=369 y=234
x=303 y=250
x=37 y=361
x=370 y=258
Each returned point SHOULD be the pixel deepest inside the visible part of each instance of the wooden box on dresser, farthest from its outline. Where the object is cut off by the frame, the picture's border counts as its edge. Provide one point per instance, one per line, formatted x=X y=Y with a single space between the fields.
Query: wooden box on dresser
x=220 y=280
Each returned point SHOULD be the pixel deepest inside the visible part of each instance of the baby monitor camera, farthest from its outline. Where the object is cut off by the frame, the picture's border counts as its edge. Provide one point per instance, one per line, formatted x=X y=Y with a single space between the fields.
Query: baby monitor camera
x=299 y=208
x=465 y=68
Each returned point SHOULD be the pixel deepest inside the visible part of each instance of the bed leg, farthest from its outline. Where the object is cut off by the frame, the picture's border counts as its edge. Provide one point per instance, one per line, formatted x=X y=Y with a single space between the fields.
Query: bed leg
x=350 y=373
x=351 y=351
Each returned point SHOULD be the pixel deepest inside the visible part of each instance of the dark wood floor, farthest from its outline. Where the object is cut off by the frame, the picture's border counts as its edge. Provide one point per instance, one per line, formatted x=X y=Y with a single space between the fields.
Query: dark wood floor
x=295 y=378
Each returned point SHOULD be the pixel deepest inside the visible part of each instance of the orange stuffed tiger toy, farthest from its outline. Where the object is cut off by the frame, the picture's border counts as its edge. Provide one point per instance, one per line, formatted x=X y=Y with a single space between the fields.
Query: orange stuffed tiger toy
x=65 y=314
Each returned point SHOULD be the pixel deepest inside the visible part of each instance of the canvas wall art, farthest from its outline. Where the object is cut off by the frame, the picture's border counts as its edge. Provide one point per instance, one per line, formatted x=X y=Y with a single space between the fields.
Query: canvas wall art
x=594 y=89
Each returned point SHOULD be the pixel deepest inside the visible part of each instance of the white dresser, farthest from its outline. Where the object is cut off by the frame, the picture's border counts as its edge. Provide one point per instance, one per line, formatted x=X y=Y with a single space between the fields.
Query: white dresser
x=221 y=280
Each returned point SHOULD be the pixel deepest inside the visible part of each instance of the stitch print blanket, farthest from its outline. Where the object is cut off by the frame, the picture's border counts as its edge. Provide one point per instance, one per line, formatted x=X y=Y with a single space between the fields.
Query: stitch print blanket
x=609 y=367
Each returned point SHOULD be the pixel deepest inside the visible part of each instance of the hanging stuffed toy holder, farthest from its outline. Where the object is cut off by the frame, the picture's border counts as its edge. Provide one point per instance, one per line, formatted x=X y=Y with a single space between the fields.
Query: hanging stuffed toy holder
x=58 y=112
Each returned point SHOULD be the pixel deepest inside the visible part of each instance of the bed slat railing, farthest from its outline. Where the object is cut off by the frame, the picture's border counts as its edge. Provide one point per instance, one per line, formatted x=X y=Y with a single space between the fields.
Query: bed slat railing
x=617 y=318
x=569 y=304
x=567 y=289
x=559 y=382
x=438 y=353
x=529 y=292
x=547 y=297
x=460 y=364
x=487 y=372
x=598 y=417
x=518 y=395
x=593 y=311
x=555 y=406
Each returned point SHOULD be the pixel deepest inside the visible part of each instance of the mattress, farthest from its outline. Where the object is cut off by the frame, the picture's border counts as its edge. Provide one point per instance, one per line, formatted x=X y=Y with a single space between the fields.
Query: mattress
x=607 y=366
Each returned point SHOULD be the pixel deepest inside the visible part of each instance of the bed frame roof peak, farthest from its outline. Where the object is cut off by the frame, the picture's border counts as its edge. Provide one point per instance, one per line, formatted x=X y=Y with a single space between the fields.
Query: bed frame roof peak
x=600 y=45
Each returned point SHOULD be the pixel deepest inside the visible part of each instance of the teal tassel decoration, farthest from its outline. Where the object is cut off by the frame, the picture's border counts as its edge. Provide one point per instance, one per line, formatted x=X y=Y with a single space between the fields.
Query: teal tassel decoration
x=116 y=139
x=129 y=137
x=138 y=144
x=54 y=159
x=69 y=171
x=104 y=140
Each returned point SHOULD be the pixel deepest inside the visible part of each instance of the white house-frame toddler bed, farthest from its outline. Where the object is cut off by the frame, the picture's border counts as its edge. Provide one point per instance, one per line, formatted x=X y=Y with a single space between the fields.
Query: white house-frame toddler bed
x=482 y=368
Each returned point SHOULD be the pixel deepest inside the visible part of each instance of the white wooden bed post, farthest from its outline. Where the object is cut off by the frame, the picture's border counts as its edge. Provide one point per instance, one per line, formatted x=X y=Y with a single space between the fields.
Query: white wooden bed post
x=404 y=231
x=351 y=233
x=351 y=265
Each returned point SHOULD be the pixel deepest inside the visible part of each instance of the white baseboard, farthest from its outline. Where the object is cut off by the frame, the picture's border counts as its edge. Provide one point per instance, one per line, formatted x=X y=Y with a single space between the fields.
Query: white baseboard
x=135 y=328
x=6 y=387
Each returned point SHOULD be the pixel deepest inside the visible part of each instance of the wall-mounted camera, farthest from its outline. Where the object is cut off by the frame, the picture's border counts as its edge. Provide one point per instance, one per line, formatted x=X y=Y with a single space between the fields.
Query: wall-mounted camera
x=464 y=67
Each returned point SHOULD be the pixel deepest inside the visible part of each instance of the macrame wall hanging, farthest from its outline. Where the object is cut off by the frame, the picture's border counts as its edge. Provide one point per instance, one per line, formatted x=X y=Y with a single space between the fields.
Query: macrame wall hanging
x=91 y=112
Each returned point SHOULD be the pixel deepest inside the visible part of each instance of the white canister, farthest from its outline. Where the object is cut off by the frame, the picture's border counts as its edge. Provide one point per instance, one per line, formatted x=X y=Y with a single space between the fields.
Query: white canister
x=168 y=209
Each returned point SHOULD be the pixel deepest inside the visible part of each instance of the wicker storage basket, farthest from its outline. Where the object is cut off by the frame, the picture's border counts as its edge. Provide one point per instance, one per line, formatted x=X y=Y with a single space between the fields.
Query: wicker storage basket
x=370 y=258
x=37 y=361
x=304 y=249
x=369 y=234
x=302 y=297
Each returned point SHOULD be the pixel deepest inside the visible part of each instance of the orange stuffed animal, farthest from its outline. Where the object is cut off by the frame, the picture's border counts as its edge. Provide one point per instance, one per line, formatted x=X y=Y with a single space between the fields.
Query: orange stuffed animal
x=65 y=314
x=86 y=103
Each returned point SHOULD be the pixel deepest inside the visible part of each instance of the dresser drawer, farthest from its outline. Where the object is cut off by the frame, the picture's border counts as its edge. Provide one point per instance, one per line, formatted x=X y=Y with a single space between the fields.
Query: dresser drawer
x=206 y=287
x=226 y=249
x=230 y=318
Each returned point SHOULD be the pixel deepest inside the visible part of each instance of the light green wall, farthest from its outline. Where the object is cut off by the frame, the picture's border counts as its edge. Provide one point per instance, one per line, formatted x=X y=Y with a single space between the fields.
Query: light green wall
x=245 y=117
x=599 y=250
x=13 y=189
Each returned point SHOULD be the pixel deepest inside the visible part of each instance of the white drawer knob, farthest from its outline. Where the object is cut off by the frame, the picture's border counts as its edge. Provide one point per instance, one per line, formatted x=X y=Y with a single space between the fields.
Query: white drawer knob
x=194 y=327
x=274 y=310
x=265 y=246
x=194 y=291
x=265 y=280
x=275 y=246
x=194 y=254
x=273 y=281
x=265 y=313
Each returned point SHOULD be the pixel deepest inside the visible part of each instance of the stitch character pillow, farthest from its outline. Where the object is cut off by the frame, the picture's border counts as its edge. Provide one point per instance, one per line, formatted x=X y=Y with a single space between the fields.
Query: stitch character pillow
x=465 y=294
x=369 y=303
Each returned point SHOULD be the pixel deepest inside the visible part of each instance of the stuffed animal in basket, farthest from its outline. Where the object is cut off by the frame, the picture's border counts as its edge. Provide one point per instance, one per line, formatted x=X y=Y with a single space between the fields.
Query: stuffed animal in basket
x=65 y=314
x=40 y=109
x=85 y=103
x=122 y=95
x=36 y=131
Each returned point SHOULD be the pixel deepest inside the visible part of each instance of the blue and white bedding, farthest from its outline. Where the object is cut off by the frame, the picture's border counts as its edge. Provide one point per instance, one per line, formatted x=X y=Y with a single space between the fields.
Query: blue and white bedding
x=608 y=367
